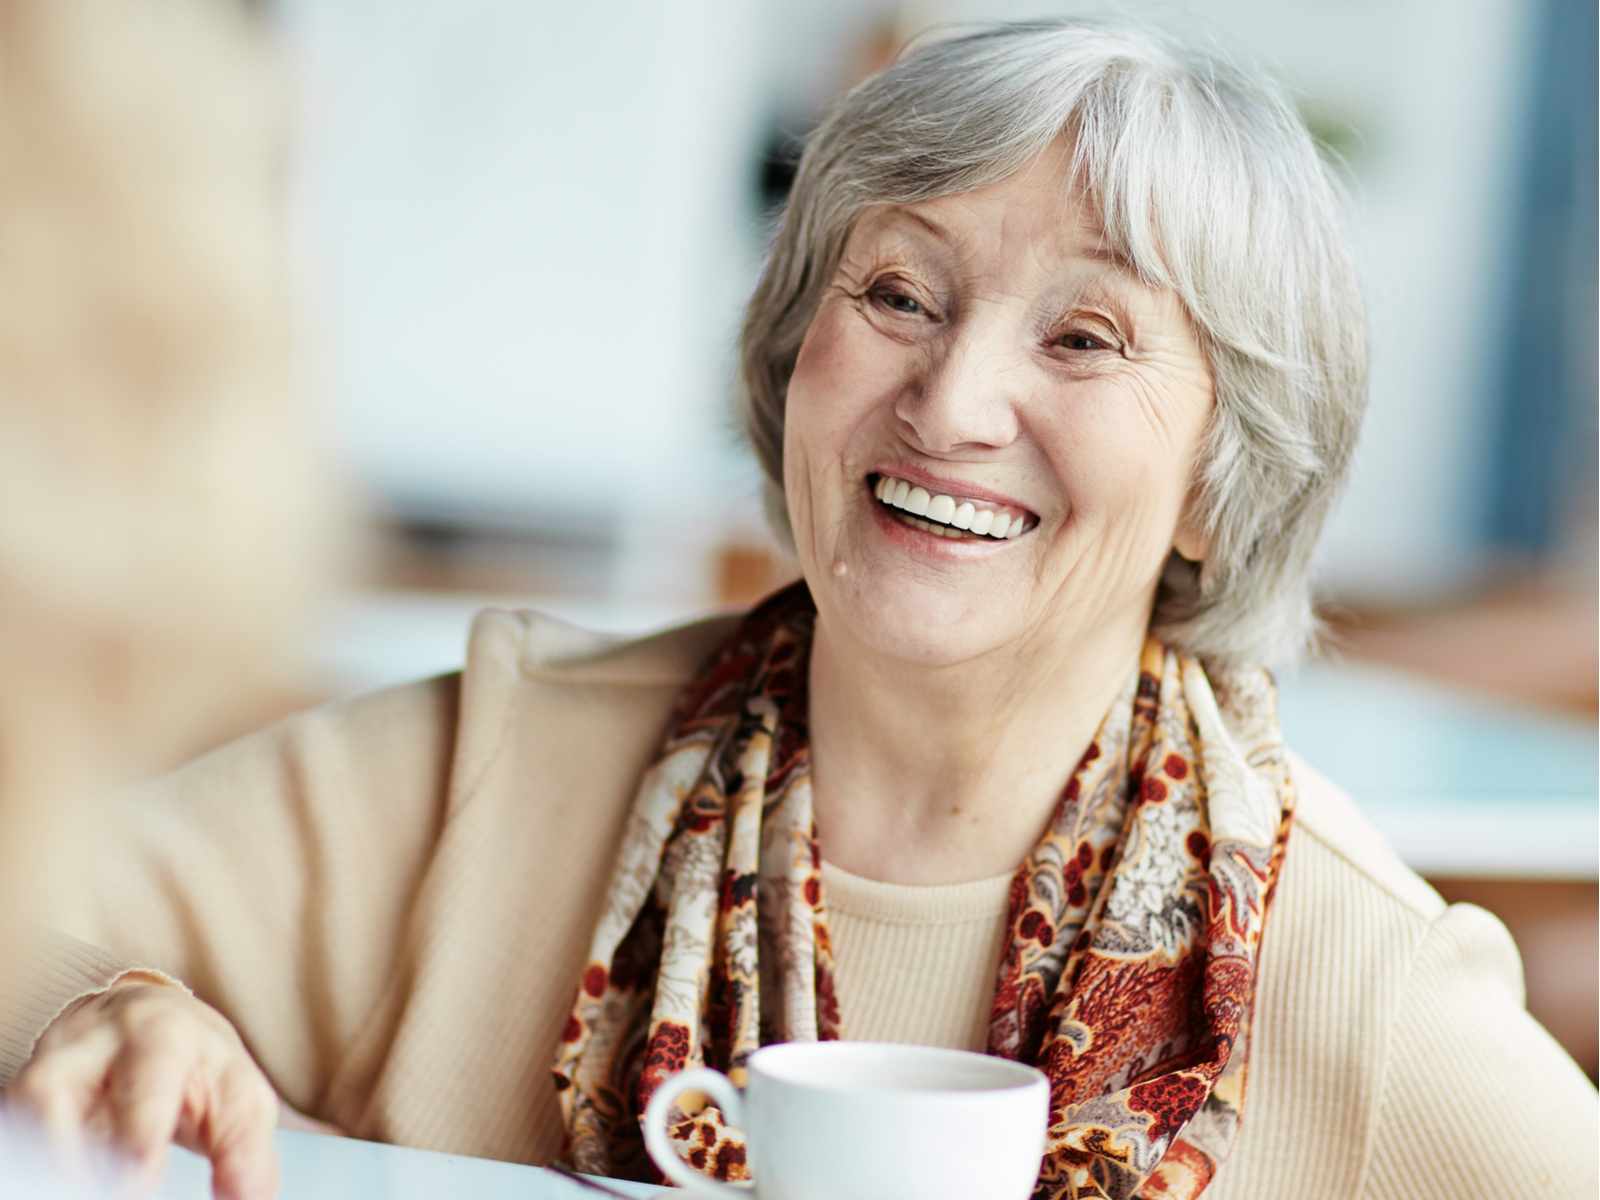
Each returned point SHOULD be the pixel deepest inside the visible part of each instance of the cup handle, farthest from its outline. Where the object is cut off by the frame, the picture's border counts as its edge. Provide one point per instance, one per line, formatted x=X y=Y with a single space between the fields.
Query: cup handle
x=700 y=1079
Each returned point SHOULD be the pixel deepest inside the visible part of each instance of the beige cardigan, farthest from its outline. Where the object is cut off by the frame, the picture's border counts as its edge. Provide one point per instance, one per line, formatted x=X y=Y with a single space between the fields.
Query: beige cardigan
x=392 y=898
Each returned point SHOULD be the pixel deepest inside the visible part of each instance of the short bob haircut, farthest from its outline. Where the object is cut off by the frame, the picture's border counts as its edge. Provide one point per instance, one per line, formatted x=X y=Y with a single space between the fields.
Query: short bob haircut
x=1207 y=184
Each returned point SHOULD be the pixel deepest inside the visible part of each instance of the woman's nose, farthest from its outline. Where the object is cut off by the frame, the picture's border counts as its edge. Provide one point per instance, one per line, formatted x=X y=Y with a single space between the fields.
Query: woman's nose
x=966 y=394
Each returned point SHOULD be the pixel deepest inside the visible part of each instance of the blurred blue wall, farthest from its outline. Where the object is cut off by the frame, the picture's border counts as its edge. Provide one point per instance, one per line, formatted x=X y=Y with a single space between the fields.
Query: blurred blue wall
x=1541 y=451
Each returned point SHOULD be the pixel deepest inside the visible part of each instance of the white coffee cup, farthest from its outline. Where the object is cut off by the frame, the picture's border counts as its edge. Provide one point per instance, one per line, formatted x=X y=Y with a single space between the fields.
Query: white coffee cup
x=864 y=1121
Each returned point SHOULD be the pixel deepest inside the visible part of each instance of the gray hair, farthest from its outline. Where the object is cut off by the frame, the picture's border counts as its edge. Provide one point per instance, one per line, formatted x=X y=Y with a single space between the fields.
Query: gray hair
x=1209 y=185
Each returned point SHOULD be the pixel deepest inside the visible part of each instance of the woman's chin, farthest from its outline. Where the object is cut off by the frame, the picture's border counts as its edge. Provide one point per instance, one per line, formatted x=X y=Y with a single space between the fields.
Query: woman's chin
x=915 y=619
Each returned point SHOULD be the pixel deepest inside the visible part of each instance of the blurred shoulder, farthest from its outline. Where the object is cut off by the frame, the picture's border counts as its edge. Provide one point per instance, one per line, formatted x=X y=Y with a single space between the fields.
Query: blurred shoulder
x=527 y=675
x=536 y=646
x=543 y=699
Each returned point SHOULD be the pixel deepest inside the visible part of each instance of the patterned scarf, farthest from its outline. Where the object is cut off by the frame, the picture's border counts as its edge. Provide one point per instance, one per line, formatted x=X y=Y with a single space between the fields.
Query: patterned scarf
x=1135 y=923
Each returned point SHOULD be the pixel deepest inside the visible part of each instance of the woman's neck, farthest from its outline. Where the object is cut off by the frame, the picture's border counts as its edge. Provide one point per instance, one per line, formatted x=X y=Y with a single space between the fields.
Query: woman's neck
x=928 y=775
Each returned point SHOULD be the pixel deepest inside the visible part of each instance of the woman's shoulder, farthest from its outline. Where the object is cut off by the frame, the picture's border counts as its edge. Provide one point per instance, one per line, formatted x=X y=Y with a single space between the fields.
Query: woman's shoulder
x=534 y=684
x=544 y=699
x=537 y=697
x=1388 y=1019
x=1347 y=851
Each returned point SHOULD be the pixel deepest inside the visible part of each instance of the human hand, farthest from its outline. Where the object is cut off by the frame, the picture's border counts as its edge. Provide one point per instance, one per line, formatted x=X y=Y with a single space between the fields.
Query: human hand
x=145 y=1064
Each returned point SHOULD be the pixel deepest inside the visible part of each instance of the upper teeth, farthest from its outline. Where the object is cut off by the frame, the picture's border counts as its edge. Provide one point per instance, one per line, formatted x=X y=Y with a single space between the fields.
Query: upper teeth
x=945 y=511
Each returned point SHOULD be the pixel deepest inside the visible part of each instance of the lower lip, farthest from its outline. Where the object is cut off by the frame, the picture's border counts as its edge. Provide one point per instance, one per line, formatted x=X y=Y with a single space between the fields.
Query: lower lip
x=932 y=544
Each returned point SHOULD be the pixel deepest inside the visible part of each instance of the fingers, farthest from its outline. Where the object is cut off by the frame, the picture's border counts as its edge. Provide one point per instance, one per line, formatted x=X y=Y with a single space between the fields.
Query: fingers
x=146 y=1092
x=63 y=1088
x=236 y=1134
x=149 y=1063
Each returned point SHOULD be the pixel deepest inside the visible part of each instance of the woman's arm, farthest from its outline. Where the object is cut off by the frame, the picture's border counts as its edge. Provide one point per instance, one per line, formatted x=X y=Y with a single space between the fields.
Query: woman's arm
x=275 y=876
x=390 y=897
x=1477 y=1099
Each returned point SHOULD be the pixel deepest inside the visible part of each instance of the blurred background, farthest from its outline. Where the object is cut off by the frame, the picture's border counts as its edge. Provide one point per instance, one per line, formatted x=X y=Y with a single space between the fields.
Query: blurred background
x=531 y=226
x=526 y=230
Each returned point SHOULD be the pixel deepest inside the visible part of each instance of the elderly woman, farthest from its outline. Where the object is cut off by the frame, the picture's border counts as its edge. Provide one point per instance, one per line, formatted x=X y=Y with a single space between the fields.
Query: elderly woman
x=1055 y=370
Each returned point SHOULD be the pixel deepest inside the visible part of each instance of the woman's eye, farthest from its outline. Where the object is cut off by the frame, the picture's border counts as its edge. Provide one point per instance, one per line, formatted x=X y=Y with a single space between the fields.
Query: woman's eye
x=901 y=303
x=1081 y=341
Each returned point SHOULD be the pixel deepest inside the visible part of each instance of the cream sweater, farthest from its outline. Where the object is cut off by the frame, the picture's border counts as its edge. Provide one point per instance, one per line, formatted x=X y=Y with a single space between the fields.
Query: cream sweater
x=915 y=964
x=392 y=898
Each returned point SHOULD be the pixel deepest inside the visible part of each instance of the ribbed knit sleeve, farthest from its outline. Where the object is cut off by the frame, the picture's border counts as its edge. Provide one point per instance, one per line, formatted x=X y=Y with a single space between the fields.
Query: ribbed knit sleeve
x=1477 y=1099
x=1333 y=960
x=1391 y=1058
x=48 y=974
x=392 y=897
x=275 y=876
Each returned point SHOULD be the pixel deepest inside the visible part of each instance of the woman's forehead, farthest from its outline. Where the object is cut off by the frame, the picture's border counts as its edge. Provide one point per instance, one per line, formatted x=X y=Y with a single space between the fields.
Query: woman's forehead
x=1057 y=229
x=1046 y=202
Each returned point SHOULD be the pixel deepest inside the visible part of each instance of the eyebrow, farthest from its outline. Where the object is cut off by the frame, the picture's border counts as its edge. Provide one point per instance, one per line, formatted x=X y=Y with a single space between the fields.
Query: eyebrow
x=928 y=223
x=1106 y=254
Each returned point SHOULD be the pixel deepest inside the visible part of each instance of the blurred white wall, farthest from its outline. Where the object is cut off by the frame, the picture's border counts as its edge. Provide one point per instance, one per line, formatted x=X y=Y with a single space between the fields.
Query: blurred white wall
x=531 y=227
x=535 y=224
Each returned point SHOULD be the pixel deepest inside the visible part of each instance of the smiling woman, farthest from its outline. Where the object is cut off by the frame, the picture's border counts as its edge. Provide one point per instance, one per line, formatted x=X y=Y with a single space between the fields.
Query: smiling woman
x=984 y=351
x=1182 y=185
x=1054 y=370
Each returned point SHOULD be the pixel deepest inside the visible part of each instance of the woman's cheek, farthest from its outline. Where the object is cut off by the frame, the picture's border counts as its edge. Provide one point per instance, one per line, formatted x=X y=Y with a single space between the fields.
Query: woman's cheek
x=1112 y=491
x=847 y=364
x=818 y=359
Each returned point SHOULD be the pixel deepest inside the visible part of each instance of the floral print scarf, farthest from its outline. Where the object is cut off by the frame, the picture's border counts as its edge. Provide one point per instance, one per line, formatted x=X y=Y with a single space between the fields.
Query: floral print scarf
x=1129 y=977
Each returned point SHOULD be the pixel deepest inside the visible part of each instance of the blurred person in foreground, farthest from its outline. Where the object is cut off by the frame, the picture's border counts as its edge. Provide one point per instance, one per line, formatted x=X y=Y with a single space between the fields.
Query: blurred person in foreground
x=1055 y=369
x=157 y=493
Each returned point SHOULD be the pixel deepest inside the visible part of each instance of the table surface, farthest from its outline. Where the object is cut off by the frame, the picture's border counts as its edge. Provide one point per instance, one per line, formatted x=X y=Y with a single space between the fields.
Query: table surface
x=316 y=1167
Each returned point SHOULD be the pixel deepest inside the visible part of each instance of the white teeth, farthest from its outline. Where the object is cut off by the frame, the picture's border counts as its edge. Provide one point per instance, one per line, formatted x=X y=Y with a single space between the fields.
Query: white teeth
x=946 y=518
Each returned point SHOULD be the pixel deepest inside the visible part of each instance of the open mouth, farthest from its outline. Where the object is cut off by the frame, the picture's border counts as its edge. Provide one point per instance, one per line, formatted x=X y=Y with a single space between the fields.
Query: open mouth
x=950 y=516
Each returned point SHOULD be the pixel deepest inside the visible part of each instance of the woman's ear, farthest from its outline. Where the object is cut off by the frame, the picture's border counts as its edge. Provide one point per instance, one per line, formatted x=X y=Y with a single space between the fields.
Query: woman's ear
x=1190 y=542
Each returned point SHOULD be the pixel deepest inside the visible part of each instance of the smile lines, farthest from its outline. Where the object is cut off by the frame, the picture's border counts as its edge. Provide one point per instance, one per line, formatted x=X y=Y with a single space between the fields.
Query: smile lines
x=946 y=516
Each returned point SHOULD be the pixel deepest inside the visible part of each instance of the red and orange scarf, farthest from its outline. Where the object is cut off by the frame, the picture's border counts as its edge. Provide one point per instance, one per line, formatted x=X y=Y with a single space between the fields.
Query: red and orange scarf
x=1129 y=978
